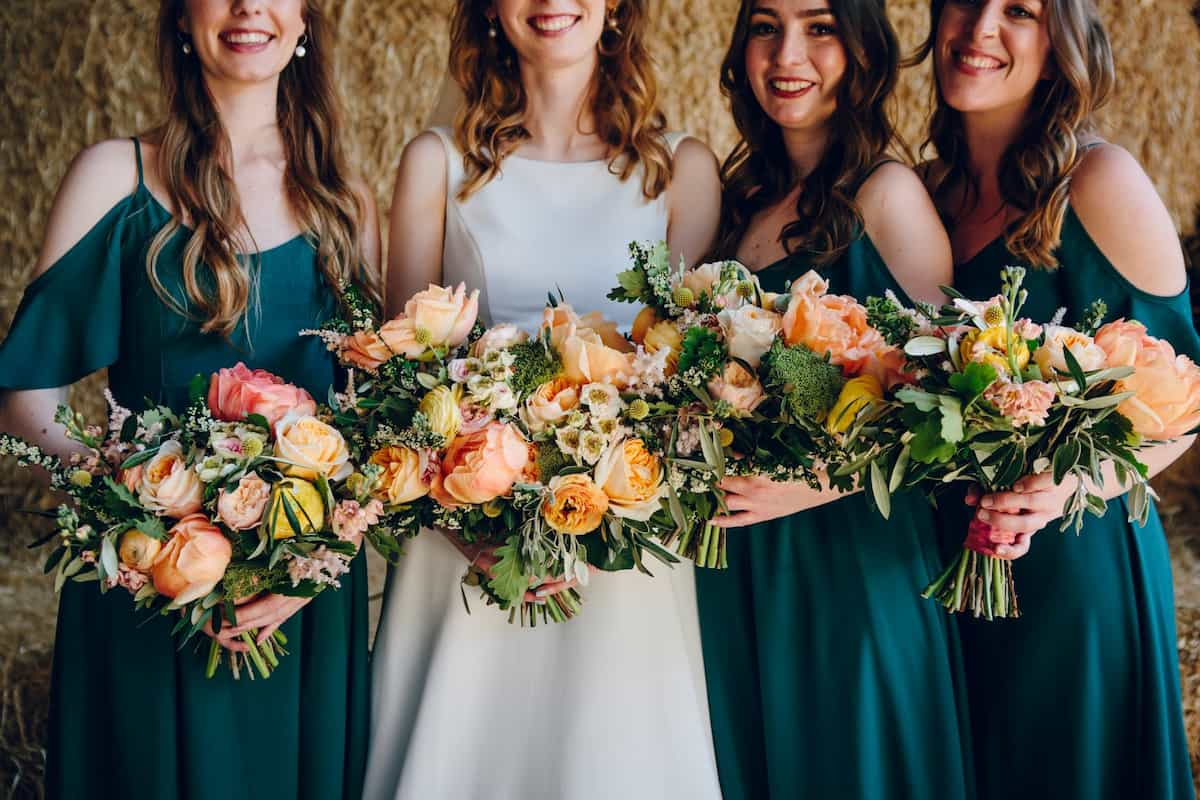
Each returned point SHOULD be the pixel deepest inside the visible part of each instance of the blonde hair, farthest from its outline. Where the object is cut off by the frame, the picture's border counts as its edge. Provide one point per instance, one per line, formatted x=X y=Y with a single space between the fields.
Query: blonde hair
x=194 y=164
x=623 y=101
x=1035 y=172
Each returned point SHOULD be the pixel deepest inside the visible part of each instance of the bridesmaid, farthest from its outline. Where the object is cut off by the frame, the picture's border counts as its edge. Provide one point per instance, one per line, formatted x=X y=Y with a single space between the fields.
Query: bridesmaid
x=557 y=160
x=1080 y=697
x=155 y=266
x=828 y=675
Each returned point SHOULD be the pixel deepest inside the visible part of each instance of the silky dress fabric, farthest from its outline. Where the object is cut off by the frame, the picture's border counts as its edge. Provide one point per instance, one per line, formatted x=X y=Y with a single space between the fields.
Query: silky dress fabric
x=131 y=715
x=1079 y=698
x=828 y=675
x=610 y=704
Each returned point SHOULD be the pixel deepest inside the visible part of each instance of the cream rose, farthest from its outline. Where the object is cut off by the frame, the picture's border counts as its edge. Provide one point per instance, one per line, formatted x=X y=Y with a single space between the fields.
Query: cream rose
x=499 y=338
x=168 y=487
x=1050 y=359
x=632 y=478
x=307 y=447
x=749 y=332
x=550 y=404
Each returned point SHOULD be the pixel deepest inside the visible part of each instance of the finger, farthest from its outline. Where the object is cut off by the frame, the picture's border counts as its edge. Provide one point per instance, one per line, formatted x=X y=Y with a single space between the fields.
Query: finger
x=1011 y=552
x=973 y=495
x=554 y=587
x=738 y=520
x=738 y=484
x=255 y=615
x=1035 y=483
x=1006 y=502
x=1000 y=536
x=738 y=502
x=1012 y=523
x=267 y=632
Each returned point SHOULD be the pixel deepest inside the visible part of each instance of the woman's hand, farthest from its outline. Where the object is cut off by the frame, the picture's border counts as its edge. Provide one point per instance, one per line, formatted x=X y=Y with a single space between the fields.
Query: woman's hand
x=264 y=613
x=1013 y=517
x=757 y=499
x=484 y=558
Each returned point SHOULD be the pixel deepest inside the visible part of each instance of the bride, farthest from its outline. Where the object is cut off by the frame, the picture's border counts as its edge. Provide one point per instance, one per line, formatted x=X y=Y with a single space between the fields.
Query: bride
x=557 y=160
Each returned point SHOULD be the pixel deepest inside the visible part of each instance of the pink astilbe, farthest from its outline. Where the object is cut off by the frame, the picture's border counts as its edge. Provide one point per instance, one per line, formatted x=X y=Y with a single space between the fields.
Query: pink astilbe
x=1022 y=403
x=351 y=520
x=322 y=567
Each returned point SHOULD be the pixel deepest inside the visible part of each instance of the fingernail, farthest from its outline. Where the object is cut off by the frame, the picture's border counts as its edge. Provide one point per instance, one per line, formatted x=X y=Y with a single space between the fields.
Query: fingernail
x=985 y=515
x=988 y=502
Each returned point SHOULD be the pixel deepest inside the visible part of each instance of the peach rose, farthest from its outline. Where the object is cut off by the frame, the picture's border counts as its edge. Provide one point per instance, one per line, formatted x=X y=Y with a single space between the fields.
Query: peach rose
x=550 y=404
x=704 y=279
x=646 y=319
x=632 y=478
x=307 y=447
x=737 y=386
x=234 y=393
x=480 y=467
x=665 y=336
x=193 y=560
x=435 y=317
x=575 y=506
x=499 y=338
x=168 y=487
x=1050 y=358
x=587 y=359
x=562 y=321
x=401 y=481
x=365 y=350
x=242 y=509
x=131 y=478
x=1166 y=403
x=828 y=323
x=749 y=332
x=137 y=550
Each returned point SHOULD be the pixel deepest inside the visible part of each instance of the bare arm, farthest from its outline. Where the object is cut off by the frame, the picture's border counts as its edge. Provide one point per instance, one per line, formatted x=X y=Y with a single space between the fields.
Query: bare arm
x=369 y=238
x=904 y=226
x=417 y=221
x=694 y=198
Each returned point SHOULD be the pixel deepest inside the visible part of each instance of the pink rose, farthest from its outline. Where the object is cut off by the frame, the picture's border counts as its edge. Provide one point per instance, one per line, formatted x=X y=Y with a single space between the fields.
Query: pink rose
x=480 y=467
x=1166 y=386
x=168 y=486
x=234 y=393
x=499 y=338
x=242 y=509
x=193 y=561
x=737 y=386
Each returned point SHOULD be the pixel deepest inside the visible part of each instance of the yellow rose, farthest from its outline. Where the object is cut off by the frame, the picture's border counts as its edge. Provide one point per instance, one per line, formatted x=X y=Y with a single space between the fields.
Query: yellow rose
x=401 y=480
x=988 y=346
x=664 y=335
x=138 y=550
x=857 y=394
x=440 y=407
x=632 y=478
x=308 y=447
x=168 y=487
x=305 y=503
x=576 y=505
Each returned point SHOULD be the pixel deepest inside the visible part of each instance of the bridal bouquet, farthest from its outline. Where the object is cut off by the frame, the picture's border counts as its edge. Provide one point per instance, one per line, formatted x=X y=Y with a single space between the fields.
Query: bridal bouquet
x=747 y=382
x=245 y=493
x=999 y=397
x=519 y=446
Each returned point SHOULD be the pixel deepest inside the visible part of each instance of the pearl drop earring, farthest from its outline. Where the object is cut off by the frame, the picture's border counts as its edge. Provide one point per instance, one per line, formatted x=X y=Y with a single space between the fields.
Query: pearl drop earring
x=301 y=50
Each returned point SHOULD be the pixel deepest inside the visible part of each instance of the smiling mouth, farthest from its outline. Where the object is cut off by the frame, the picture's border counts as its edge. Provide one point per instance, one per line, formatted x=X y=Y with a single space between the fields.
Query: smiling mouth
x=552 y=24
x=977 y=62
x=246 y=38
x=790 y=87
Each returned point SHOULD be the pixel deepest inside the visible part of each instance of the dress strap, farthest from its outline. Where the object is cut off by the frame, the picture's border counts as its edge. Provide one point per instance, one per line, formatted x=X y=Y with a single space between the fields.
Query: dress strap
x=137 y=154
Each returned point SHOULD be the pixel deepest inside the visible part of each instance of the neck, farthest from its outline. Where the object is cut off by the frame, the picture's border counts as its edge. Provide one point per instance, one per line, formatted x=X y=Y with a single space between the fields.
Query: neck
x=989 y=135
x=250 y=116
x=805 y=149
x=557 y=116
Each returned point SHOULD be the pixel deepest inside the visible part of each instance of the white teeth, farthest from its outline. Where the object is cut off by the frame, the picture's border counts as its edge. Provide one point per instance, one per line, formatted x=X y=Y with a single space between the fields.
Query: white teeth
x=980 y=62
x=552 y=24
x=791 y=85
x=247 y=38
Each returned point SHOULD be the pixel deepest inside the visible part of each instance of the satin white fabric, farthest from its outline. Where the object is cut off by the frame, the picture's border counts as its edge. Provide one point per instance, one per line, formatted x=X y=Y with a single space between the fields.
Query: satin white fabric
x=608 y=706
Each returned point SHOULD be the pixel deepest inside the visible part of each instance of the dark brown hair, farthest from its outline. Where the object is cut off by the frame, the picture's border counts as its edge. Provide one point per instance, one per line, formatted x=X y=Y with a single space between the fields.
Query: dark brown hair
x=757 y=173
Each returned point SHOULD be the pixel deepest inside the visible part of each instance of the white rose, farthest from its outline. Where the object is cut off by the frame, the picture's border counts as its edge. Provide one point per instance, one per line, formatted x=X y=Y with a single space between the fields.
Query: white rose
x=749 y=332
x=1049 y=356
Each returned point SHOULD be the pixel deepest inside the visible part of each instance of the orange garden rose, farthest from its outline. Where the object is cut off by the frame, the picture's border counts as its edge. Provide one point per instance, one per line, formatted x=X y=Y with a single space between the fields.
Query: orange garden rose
x=550 y=404
x=479 y=467
x=737 y=386
x=1166 y=403
x=576 y=505
x=401 y=481
x=193 y=560
x=435 y=317
x=307 y=447
x=665 y=336
x=168 y=486
x=632 y=478
x=138 y=551
x=365 y=350
x=831 y=324
x=646 y=319
x=234 y=393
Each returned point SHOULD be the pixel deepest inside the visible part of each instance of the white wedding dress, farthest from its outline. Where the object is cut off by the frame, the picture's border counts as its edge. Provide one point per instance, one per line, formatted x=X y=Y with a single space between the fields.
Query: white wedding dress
x=610 y=705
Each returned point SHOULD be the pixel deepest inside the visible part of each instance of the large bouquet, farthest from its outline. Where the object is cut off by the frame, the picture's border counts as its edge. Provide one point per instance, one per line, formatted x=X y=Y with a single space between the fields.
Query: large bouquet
x=245 y=493
x=1000 y=397
x=519 y=446
x=750 y=383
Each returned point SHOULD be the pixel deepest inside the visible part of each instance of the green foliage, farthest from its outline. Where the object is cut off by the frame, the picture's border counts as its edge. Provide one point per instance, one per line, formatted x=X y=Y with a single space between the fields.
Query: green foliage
x=886 y=317
x=550 y=461
x=975 y=378
x=808 y=383
x=535 y=363
x=703 y=352
x=246 y=579
x=509 y=581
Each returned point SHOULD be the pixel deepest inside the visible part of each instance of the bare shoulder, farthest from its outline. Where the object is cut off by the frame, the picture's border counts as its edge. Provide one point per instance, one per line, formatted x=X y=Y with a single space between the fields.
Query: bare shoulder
x=424 y=158
x=694 y=199
x=1119 y=207
x=889 y=188
x=99 y=177
x=693 y=156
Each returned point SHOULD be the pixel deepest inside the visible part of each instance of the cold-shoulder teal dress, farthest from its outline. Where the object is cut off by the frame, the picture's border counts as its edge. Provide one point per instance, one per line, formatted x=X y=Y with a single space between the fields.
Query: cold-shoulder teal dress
x=1079 y=698
x=828 y=675
x=132 y=716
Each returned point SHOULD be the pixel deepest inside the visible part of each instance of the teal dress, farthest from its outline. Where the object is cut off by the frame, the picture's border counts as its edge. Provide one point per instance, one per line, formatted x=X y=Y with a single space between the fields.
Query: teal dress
x=132 y=716
x=828 y=675
x=1079 y=698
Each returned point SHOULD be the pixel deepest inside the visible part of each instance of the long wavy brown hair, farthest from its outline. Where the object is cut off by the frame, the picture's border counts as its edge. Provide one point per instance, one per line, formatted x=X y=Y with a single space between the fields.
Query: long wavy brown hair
x=758 y=173
x=195 y=162
x=623 y=101
x=1035 y=171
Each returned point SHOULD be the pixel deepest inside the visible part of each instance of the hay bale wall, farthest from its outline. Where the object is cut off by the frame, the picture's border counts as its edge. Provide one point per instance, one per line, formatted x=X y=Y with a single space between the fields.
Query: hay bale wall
x=76 y=71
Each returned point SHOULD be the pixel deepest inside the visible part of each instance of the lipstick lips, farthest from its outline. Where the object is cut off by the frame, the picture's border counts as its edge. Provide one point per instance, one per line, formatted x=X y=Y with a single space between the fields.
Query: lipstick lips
x=553 y=24
x=974 y=62
x=789 y=88
x=242 y=40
